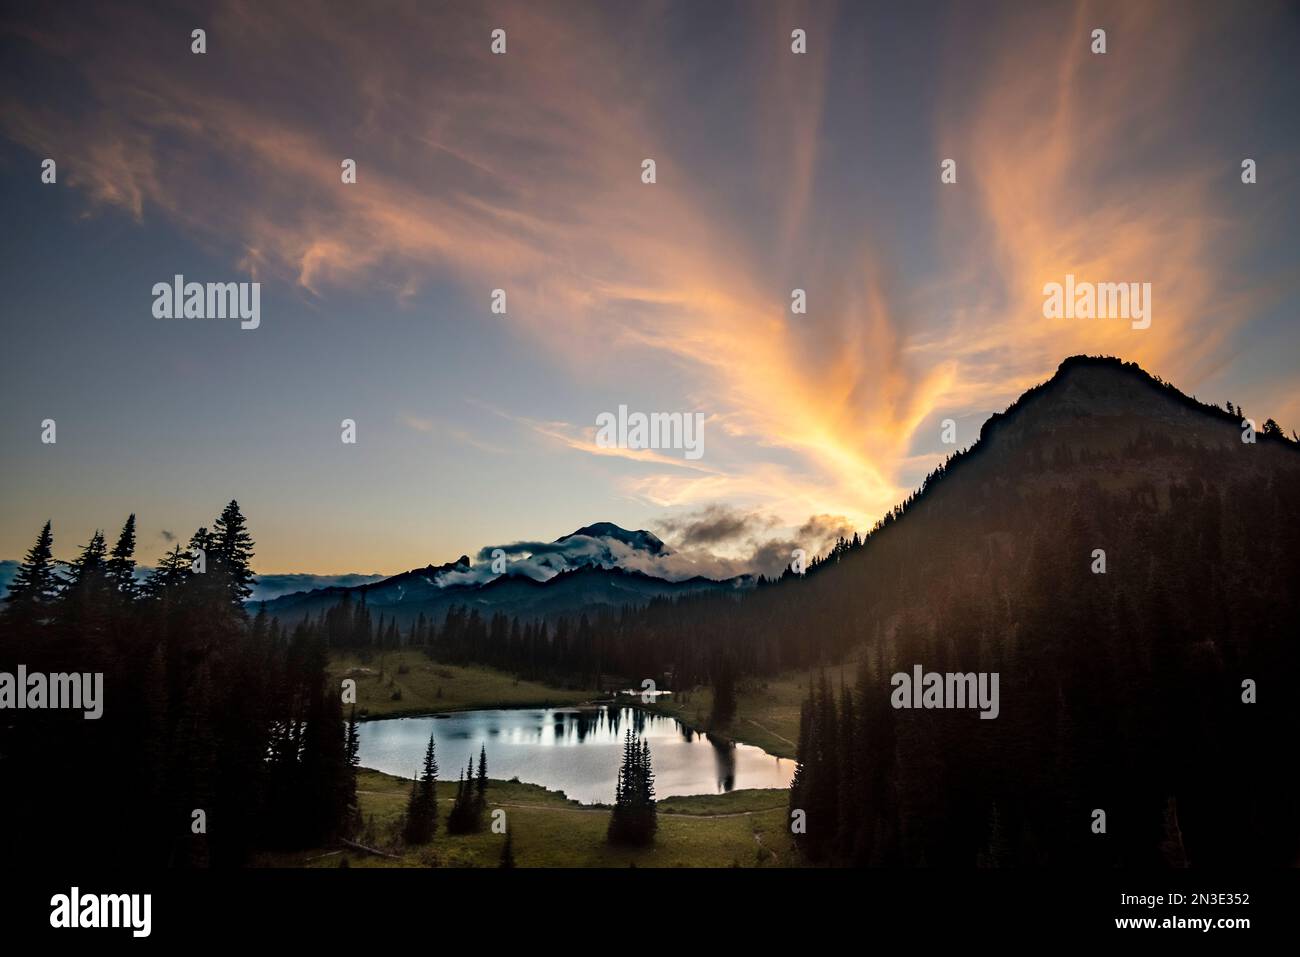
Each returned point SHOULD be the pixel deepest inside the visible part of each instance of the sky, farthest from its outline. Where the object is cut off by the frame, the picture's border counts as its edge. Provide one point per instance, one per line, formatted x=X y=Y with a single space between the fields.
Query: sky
x=523 y=171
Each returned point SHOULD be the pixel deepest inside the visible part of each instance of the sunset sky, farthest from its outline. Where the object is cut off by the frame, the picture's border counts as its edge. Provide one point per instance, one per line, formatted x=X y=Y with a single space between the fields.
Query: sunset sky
x=523 y=172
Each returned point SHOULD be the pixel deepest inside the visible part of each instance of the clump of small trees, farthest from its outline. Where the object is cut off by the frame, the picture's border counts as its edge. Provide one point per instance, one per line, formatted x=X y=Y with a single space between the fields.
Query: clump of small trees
x=635 y=816
x=466 y=816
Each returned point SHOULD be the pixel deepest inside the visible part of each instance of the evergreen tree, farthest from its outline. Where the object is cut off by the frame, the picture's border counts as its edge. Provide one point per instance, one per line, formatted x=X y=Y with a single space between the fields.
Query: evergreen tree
x=646 y=783
x=171 y=570
x=205 y=542
x=466 y=815
x=799 y=782
x=82 y=610
x=89 y=570
x=634 y=819
x=34 y=586
x=481 y=780
x=353 y=752
x=121 y=561
x=508 y=852
x=422 y=808
x=234 y=553
x=325 y=770
x=354 y=741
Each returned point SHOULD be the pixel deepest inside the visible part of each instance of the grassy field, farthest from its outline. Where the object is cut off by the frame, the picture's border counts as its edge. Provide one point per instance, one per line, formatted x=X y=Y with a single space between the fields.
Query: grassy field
x=741 y=829
x=407 y=682
x=767 y=711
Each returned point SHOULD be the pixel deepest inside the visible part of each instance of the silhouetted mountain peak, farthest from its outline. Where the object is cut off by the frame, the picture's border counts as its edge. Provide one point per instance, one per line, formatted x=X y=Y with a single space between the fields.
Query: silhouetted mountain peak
x=641 y=540
x=1102 y=400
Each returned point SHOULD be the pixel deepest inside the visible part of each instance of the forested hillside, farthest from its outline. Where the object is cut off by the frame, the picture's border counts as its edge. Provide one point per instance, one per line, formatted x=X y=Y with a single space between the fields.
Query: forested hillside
x=1121 y=689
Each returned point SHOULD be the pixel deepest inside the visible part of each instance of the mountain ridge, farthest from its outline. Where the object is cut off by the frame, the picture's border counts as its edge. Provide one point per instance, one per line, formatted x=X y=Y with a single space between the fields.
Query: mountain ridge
x=1099 y=403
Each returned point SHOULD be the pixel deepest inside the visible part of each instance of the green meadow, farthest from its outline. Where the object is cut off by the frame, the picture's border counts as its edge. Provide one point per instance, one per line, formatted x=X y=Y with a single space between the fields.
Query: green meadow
x=740 y=829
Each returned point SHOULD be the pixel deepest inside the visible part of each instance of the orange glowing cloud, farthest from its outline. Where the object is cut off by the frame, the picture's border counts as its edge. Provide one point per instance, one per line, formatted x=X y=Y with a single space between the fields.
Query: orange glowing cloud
x=1071 y=165
x=522 y=172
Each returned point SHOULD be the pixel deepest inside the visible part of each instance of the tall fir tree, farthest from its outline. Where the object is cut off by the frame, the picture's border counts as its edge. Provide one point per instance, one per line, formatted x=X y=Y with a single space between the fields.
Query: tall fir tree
x=422 y=808
x=466 y=815
x=481 y=779
x=121 y=561
x=82 y=610
x=634 y=818
x=170 y=571
x=89 y=569
x=353 y=752
x=234 y=553
x=35 y=585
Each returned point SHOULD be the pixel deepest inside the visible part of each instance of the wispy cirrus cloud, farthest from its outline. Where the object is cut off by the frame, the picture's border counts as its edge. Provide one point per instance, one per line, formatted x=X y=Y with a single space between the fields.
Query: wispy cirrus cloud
x=522 y=172
x=1082 y=163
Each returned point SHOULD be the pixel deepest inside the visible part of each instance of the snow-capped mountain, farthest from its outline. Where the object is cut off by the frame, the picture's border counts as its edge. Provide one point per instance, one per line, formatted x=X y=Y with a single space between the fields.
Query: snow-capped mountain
x=597 y=565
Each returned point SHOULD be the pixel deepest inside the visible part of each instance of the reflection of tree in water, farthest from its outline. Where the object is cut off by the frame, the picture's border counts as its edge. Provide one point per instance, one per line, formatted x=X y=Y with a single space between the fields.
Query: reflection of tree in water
x=724 y=753
x=535 y=728
x=640 y=720
x=611 y=721
x=585 y=722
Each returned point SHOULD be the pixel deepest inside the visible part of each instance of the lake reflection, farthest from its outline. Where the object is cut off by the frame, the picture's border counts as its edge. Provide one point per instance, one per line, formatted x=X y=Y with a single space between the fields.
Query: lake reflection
x=574 y=750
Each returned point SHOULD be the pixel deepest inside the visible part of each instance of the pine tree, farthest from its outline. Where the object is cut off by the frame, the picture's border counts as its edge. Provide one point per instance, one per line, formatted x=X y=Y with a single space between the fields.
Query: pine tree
x=826 y=789
x=429 y=784
x=171 y=570
x=799 y=783
x=466 y=815
x=82 y=608
x=121 y=561
x=646 y=785
x=846 y=757
x=457 y=820
x=634 y=819
x=412 y=830
x=202 y=550
x=89 y=570
x=325 y=772
x=234 y=553
x=354 y=740
x=481 y=780
x=422 y=808
x=35 y=585
x=204 y=590
x=353 y=755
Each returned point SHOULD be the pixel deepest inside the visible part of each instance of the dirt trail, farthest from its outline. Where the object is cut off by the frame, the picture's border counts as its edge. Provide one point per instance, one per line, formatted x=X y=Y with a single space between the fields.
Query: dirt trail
x=605 y=810
x=772 y=733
